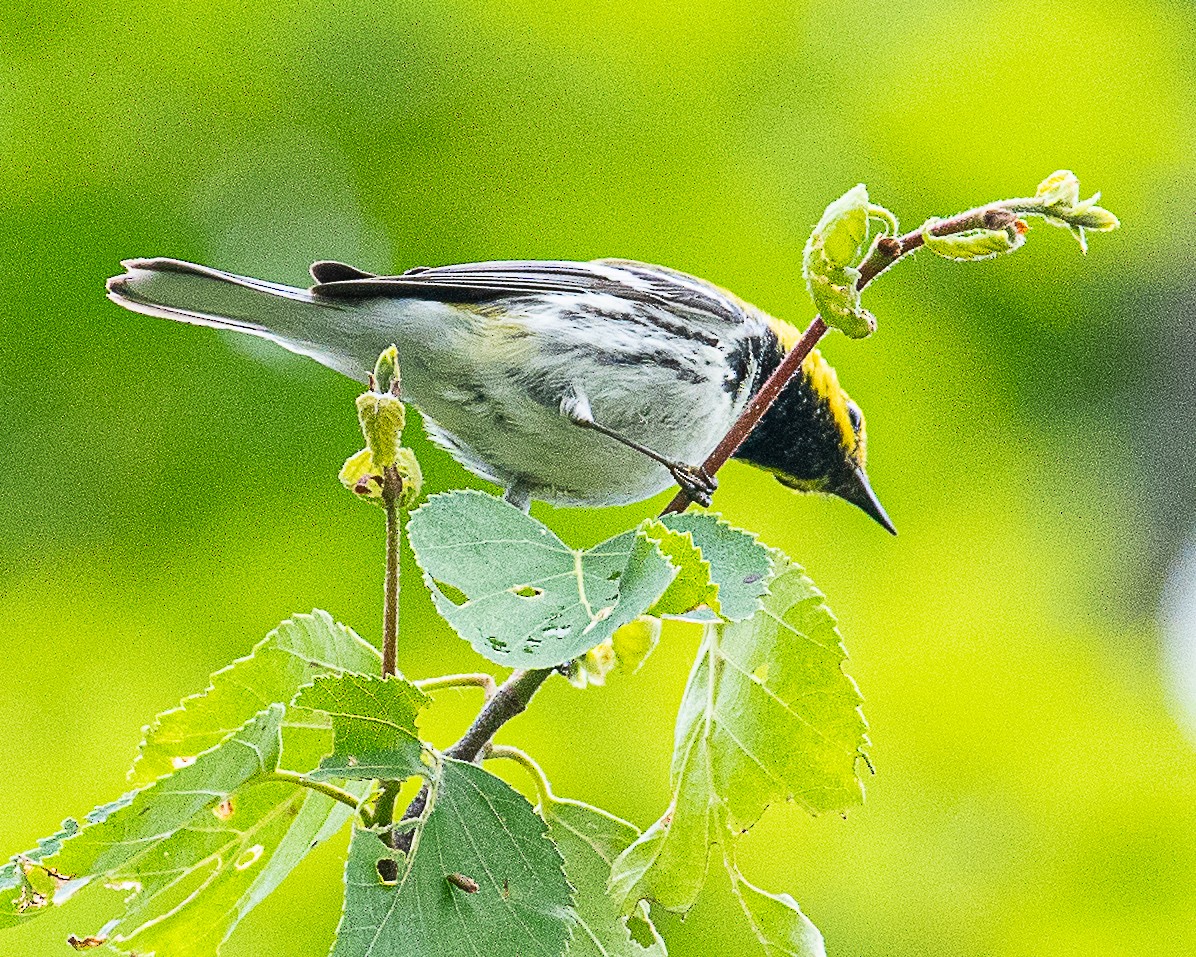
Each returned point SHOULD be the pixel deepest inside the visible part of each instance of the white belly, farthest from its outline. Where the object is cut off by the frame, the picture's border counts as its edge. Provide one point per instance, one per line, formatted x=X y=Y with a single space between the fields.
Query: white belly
x=489 y=387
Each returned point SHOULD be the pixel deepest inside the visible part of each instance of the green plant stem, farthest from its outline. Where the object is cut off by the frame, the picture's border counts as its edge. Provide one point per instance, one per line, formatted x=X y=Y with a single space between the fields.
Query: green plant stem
x=477 y=680
x=521 y=757
x=392 y=484
x=321 y=787
x=509 y=700
x=384 y=808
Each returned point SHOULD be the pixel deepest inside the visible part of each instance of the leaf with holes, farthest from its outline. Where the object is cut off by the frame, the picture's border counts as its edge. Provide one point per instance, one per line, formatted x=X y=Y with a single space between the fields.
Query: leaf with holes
x=482 y=877
x=373 y=721
x=767 y=715
x=123 y=842
x=524 y=598
x=589 y=840
x=35 y=885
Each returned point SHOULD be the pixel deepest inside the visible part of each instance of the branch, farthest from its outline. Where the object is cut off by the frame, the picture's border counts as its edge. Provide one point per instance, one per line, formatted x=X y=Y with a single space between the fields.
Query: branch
x=392 y=485
x=760 y=403
x=508 y=701
x=885 y=252
x=1057 y=200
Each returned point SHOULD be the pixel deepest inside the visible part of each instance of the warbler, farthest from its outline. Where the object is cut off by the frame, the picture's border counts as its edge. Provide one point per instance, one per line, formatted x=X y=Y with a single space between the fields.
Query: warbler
x=576 y=383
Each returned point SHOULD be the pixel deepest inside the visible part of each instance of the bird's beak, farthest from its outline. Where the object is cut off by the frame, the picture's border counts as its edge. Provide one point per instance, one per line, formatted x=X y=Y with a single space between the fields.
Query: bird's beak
x=858 y=491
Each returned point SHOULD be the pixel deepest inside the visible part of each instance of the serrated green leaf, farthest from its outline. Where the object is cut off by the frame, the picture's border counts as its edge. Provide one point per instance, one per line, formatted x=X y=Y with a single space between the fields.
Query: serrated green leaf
x=667 y=864
x=481 y=830
x=767 y=715
x=740 y=566
x=783 y=718
x=373 y=722
x=277 y=823
x=776 y=919
x=530 y=600
x=694 y=585
x=191 y=889
x=291 y=656
x=168 y=804
x=720 y=566
x=120 y=833
x=35 y=884
x=589 y=840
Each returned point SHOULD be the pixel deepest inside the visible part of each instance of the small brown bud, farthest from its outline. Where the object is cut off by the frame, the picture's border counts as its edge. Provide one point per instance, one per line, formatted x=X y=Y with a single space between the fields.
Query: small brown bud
x=86 y=943
x=889 y=246
x=998 y=218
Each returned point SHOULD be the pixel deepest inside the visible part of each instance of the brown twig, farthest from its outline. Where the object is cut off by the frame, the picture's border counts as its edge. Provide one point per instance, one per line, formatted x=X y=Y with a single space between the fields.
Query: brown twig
x=886 y=251
x=509 y=700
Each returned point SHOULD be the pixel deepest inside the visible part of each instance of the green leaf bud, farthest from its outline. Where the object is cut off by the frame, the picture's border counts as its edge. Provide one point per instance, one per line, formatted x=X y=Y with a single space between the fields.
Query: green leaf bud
x=832 y=255
x=362 y=475
x=593 y=667
x=1058 y=202
x=974 y=244
x=843 y=229
x=838 y=301
x=1087 y=215
x=407 y=465
x=1061 y=188
x=838 y=239
x=386 y=371
x=382 y=418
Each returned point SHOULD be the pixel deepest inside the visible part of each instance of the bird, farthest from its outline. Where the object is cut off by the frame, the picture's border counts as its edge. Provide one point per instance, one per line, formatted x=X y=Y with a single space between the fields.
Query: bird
x=574 y=383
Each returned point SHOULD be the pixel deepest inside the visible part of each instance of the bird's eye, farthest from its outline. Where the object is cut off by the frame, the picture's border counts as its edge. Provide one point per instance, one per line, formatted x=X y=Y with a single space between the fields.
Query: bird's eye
x=856 y=416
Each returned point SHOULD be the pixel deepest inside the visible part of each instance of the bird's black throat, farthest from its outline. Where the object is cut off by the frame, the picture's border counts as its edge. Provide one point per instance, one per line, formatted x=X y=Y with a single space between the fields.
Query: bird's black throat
x=798 y=438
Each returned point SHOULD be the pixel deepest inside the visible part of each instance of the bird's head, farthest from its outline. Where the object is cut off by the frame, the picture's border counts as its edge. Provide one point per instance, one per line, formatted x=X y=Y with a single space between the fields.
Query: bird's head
x=813 y=437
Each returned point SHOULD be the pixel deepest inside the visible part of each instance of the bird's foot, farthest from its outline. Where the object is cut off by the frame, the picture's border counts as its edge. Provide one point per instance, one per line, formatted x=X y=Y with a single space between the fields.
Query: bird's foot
x=697 y=484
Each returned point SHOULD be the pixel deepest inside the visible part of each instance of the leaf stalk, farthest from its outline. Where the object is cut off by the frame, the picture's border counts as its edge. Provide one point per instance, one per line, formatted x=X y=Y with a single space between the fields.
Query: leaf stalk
x=322 y=787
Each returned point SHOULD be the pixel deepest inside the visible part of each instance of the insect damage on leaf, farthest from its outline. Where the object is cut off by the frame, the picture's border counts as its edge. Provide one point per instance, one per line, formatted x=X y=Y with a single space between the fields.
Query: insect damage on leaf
x=767 y=715
x=86 y=943
x=481 y=877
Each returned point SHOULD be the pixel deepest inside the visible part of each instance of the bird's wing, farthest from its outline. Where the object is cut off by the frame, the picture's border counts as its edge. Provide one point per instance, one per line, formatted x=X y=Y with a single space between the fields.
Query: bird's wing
x=482 y=282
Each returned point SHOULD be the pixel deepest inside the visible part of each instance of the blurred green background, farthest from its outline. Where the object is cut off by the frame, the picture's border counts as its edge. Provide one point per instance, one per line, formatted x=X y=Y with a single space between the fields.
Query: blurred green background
x=169 y=494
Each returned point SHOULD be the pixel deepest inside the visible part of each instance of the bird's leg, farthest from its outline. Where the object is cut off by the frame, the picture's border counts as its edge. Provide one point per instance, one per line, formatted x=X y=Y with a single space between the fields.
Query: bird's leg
x=695 y=482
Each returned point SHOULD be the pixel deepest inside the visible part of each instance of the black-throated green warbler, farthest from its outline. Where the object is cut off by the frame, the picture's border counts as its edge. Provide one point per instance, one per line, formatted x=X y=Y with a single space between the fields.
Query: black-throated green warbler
x=576 y=383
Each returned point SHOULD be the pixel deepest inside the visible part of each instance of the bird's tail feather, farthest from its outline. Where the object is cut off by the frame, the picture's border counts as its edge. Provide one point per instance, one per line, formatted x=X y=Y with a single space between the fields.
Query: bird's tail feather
x=291 y=317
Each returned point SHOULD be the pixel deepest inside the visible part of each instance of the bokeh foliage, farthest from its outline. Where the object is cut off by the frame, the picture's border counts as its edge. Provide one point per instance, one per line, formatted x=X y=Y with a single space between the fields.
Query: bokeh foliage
x=167 y=498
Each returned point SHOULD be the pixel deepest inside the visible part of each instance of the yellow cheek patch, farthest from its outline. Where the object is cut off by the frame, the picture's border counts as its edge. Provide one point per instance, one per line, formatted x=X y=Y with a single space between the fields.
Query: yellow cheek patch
x=825 y=382
x=786 y=334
